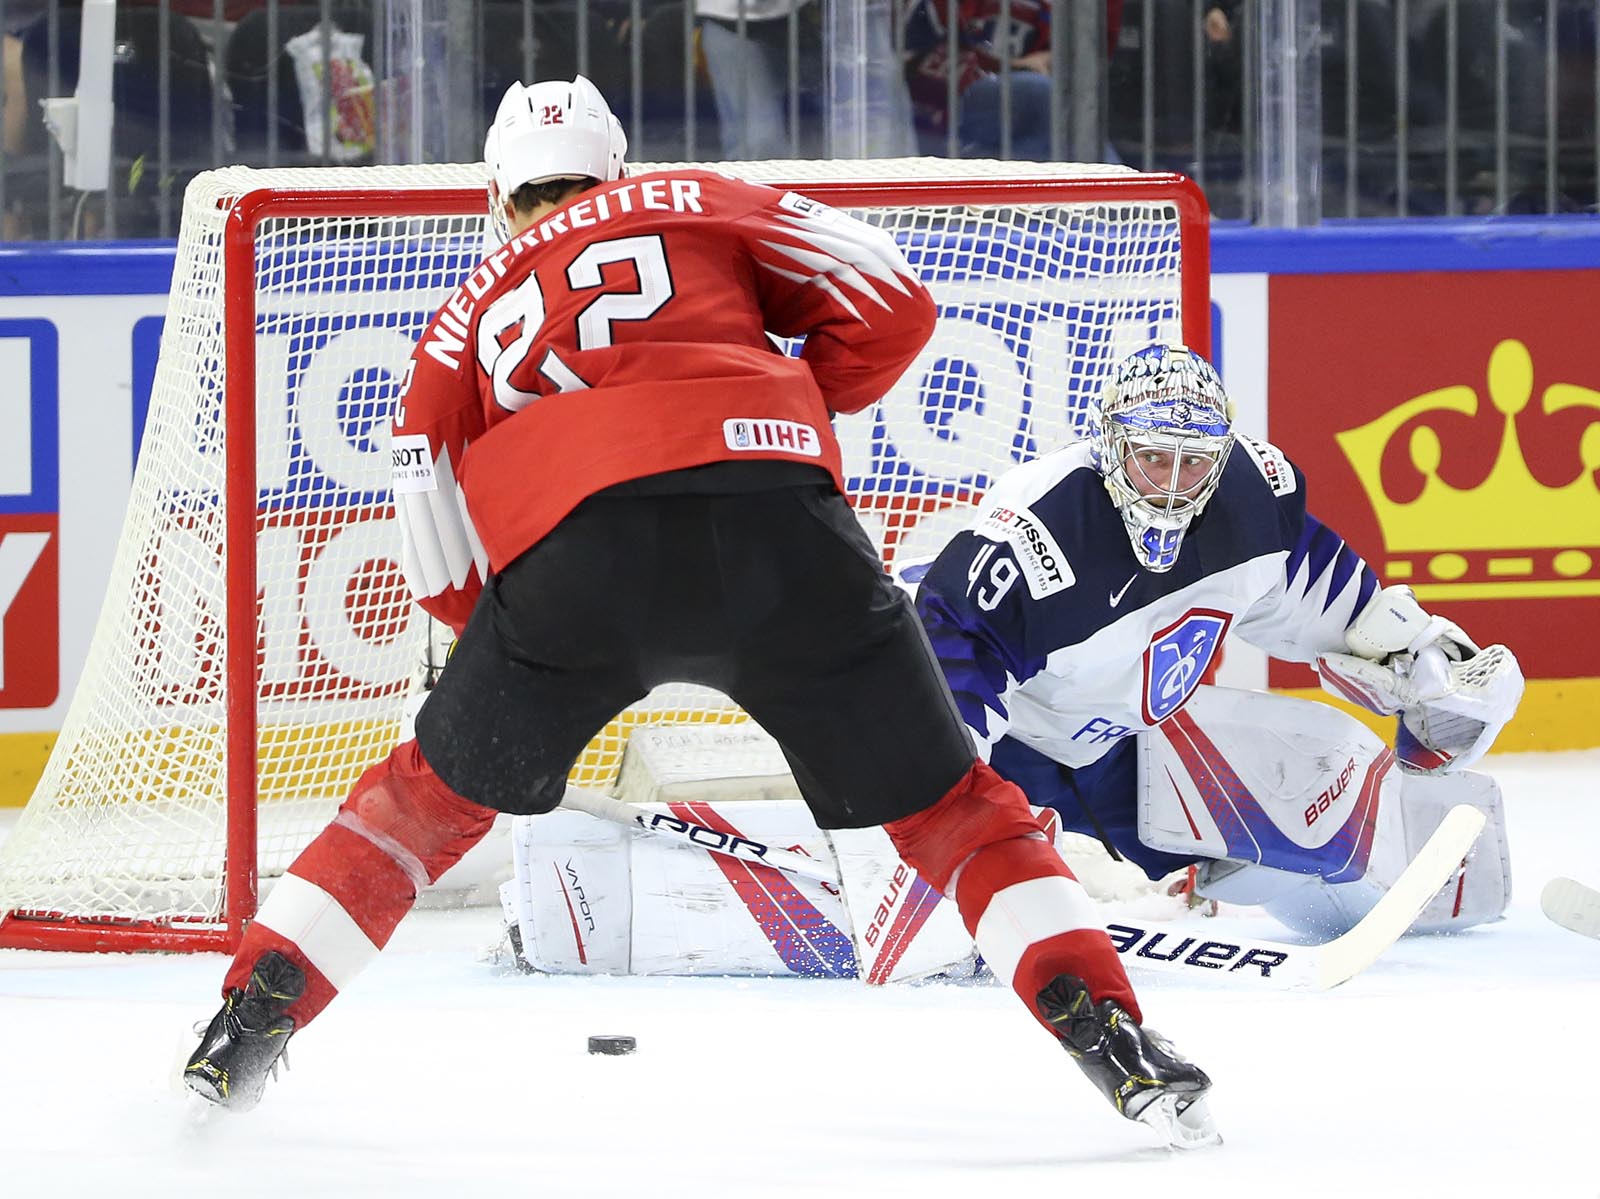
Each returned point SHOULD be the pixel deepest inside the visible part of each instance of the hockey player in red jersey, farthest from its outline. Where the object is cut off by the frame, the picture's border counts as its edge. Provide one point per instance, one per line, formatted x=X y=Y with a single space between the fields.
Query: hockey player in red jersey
x=607 y=478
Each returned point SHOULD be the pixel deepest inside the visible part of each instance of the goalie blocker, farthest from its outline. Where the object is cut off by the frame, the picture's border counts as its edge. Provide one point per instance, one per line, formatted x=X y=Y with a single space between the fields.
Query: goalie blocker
x=1315 y=832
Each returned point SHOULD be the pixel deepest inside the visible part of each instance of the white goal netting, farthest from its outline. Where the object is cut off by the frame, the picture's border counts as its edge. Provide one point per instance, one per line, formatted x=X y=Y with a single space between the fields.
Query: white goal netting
x=257 y=641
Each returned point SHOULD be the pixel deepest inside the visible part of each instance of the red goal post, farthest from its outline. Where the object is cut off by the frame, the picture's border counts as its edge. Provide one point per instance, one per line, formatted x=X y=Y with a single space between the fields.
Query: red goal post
x=186 y=769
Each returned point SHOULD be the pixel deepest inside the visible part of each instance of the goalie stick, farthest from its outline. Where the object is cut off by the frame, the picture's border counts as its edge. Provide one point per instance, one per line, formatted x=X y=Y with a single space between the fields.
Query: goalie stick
x=1194 y=951
x=1165 y=946
x=687 y=832
x=1572 y=905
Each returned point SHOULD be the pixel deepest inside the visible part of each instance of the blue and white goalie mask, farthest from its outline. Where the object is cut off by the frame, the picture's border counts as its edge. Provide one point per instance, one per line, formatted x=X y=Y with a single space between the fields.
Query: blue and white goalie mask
x=1163 y=440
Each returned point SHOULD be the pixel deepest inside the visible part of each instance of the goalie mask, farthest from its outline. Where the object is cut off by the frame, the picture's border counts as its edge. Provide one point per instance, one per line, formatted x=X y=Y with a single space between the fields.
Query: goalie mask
x=553 y=130
x=1163 y=440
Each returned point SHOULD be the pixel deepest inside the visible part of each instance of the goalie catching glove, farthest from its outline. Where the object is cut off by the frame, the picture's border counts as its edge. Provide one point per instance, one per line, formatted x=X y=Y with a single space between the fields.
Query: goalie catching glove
x=1452 y=697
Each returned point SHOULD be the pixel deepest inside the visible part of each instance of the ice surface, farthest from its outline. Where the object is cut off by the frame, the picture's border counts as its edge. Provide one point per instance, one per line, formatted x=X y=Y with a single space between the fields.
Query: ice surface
x=1458 y=1066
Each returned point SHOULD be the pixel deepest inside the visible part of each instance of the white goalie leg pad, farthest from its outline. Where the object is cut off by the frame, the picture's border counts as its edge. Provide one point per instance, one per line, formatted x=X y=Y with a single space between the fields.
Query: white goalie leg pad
x=696 y=912
x=1478 y=892
x=1299 y=802
x=701 y=913
x=592 y=897
x=1308 y=903
x=570 y=894
x=904 y=929
x=1265 y=779
x=1481 y=890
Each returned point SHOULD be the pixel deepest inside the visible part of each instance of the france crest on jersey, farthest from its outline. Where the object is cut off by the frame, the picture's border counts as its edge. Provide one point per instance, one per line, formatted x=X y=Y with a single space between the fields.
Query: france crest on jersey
x=1176 y=660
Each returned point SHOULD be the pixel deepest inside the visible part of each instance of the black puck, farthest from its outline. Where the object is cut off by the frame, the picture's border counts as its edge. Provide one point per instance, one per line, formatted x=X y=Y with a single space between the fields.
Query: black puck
x=613 y=1046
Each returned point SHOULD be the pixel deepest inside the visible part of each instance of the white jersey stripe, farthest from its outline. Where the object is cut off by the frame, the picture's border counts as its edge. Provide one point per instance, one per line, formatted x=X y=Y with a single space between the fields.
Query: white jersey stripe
x=439 y=545
x=871 y=249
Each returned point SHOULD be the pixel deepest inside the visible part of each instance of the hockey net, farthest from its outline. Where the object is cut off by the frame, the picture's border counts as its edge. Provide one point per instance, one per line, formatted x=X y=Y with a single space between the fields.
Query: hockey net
x=257 y=642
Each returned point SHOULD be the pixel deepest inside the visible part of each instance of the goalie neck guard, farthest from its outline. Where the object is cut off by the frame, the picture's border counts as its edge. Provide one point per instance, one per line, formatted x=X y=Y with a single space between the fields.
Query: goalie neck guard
x=1163 y=440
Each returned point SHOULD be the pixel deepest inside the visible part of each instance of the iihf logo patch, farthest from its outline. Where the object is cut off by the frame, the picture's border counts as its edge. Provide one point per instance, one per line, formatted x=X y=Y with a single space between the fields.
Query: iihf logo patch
x=1177 y=658
x=772 y=436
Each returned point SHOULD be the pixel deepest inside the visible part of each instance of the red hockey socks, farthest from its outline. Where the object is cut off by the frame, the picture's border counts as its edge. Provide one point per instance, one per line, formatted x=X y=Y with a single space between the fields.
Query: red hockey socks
x=400 y=829
x=1031 y=919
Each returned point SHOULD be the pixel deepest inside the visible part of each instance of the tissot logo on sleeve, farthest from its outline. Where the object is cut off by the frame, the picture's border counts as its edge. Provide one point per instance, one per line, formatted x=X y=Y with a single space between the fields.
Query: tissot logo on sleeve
x=412 y=464
x=1043 y=564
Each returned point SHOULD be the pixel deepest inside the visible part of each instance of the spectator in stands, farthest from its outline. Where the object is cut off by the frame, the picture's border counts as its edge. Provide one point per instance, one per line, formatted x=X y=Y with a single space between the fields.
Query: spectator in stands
x=19 y=14
x=200 y=10
x=1224 y=66
x=750 y=75
x=136 y=85
x=751 y=83
x=15 y=92
x=981 y=47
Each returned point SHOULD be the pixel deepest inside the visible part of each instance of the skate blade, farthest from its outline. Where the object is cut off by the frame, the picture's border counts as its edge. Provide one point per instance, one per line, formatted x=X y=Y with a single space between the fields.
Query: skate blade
x=204 y=1089
x=1182 y=1122
x=198 y=1111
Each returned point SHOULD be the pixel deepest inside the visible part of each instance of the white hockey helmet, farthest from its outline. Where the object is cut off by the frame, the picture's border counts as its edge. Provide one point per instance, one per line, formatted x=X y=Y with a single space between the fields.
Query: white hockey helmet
x=1165 y=429
x=552 y=130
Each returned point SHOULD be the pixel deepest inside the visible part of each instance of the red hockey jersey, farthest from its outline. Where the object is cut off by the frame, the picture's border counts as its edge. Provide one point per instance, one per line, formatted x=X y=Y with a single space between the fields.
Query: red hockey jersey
x=624 y=335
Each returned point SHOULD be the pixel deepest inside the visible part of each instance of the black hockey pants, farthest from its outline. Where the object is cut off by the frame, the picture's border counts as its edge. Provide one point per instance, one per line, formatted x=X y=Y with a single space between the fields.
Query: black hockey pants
x=774 y=597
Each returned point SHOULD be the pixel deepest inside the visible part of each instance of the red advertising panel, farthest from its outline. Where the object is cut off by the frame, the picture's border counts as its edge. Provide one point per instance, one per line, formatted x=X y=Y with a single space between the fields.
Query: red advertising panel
x=1448 y=424
x=30 y=615
x=30 y=515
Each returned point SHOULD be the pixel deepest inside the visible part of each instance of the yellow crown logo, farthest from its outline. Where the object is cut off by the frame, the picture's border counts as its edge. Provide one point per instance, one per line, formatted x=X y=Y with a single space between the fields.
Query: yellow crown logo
x=1510 y=536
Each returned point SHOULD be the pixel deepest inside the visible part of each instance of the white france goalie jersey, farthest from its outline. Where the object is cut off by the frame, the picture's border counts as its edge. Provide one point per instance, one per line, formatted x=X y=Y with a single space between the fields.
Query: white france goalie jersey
x=1050 y=632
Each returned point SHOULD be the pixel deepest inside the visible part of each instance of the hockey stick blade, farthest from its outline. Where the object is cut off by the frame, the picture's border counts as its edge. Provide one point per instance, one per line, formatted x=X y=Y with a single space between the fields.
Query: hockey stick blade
x=687 y=832
x=1435 y=865
x=1191 y=950
x=1572 y=905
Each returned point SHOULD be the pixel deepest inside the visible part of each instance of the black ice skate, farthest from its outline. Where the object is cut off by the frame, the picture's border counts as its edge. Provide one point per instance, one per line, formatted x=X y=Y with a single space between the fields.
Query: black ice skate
x=244 y=1041
x=1136 y=1068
